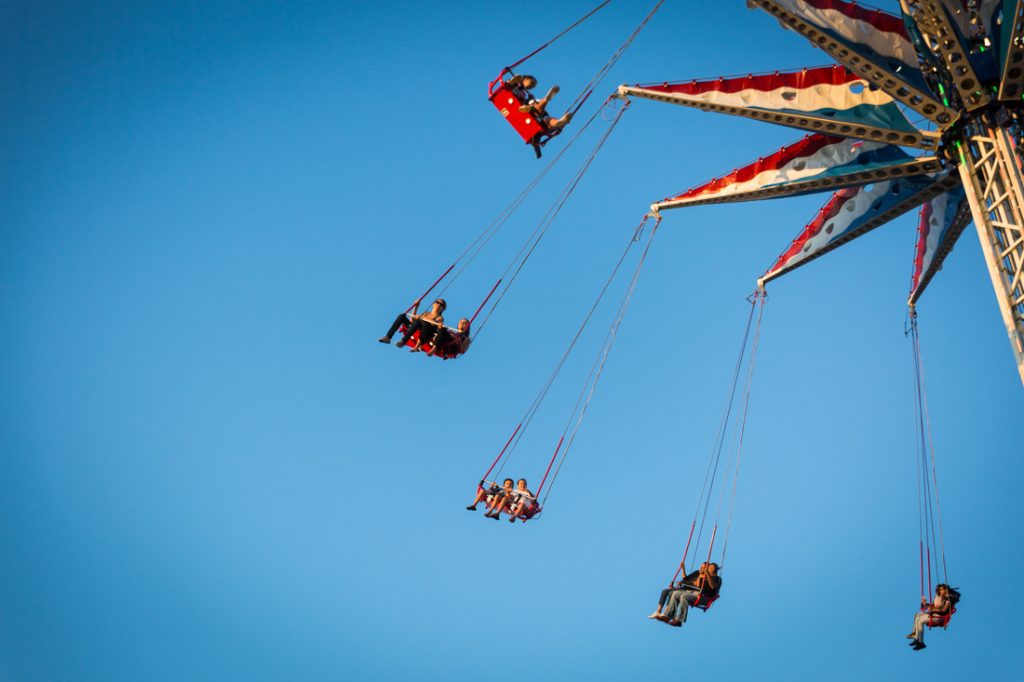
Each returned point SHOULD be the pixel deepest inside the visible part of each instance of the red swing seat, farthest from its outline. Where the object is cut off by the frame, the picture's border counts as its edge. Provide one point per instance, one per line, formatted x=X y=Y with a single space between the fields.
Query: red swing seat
x=531 y=511
x=446 y=352
x=704 y=603
x=507 y=102
x=939 y=620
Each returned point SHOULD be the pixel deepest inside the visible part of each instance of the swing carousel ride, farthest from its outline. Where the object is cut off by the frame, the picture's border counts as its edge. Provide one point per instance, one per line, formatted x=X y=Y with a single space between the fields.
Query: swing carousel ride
x=957 y=64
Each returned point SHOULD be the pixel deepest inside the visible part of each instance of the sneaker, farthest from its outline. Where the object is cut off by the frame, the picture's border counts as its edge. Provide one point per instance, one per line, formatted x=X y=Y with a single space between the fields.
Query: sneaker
x=512 y=520
x=471 y=507
x=919 y=645
x=384 y=339
x=401 y=342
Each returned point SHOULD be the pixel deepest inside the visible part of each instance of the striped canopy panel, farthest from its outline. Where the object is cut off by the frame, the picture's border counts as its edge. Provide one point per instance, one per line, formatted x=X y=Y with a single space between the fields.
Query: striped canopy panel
x=942 y=220
x=868 y=32
x=814 y=164
x=828 y=99
x=852 y=212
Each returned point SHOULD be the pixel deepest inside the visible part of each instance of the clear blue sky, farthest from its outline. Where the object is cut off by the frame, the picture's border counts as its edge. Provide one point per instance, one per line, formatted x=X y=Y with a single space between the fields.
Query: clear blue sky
x=212 y=471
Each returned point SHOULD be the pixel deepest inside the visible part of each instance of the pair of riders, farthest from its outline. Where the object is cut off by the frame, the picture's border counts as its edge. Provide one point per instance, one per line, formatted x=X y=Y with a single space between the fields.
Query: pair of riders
x=512 y=501
x=431 y=330
x=936 y=613
x=521 y=86
x=697 y=588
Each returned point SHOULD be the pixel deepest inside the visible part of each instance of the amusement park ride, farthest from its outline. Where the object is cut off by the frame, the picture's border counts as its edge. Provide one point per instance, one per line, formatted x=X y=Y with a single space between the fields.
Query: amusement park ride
x=959 y=64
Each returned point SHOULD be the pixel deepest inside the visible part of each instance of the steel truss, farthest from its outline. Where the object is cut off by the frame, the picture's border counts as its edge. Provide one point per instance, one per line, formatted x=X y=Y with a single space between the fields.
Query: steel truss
x=991 y=173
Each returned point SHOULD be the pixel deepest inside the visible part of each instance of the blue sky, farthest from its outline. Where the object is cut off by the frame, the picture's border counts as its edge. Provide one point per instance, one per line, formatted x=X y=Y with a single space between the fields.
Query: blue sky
x=214 y=472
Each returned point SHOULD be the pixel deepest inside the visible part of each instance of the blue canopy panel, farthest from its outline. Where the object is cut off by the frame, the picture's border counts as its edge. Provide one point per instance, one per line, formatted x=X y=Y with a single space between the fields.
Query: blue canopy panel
x=851 y=212
x=816 y=163
x=1011 y=49
x=828 y=99
x=978 y=30
x=943 y=220
x=873 y=44
x=945 y=26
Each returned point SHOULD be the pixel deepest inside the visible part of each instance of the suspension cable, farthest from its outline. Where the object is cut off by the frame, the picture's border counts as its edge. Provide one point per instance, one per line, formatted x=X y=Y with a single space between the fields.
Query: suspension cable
x=571 y=27
x=599 y=363
x=542 y=227
x=474 y=248
x=535 y=405
x=711 y=470
x=616 y=56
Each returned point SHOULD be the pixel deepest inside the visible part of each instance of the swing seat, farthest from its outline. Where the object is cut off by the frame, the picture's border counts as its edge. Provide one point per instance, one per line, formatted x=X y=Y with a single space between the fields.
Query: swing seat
x=939 y=621
x=446 y=352
x=704 y=603
x=507 y=102
x=530 y=512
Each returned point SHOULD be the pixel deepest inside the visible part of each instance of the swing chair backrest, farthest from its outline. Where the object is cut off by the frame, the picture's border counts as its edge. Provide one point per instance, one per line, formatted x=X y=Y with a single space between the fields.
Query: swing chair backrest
x=941 y=621
x=704 y=603
x=445 y=352
x=507 y=102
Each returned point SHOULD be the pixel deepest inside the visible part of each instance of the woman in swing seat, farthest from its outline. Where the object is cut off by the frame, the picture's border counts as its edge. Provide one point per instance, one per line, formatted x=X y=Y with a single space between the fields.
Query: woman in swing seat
x=523 y=501
x=521 y=87
x=937 y=613
x=450 y=343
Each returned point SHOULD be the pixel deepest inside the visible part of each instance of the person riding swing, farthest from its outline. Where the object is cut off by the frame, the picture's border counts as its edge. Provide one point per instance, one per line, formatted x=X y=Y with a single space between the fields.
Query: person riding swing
x=427 y=324
x=521 y=86
x=699 y=589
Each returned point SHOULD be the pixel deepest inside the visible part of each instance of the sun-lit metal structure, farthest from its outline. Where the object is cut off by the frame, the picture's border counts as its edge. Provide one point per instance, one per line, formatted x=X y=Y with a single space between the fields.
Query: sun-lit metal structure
x=959 y=64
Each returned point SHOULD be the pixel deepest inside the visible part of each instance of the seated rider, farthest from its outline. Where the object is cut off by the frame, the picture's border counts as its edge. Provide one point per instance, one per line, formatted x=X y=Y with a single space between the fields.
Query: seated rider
x=426 y=324
x=703 y=585
x=489 y=493
x=500 y=501
x=931 y=614
x=521 y=87
x=450 y=342
x=523 y=501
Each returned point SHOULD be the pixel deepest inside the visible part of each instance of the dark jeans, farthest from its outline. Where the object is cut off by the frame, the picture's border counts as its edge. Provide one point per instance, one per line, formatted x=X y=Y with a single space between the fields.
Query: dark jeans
x=399 y=321
x=664 y=595
x=427 y=330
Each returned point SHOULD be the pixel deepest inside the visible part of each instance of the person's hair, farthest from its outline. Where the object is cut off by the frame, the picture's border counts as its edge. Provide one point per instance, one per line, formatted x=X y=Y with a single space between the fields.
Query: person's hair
x=507 y=480
x=442 y=302
x=526 y=77
x=521 y=480
x=715 y=565
x=954 y=593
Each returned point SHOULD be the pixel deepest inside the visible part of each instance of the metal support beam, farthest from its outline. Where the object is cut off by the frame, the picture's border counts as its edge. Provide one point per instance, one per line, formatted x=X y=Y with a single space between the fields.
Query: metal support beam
x=992 y=178
x=943 y=40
